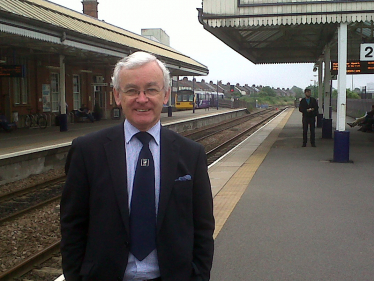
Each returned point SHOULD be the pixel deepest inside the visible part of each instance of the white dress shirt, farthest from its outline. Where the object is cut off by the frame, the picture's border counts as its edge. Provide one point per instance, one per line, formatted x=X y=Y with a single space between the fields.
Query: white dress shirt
x=147 y=268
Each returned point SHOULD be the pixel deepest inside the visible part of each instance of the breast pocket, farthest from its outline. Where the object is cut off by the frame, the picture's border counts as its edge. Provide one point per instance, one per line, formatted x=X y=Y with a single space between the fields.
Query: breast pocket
x=182 y=191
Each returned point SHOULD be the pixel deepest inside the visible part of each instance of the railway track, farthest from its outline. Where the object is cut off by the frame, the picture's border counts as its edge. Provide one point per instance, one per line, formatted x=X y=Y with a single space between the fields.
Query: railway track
x=200 y=134
x=226 y=139
x=17 y=203
x=29 y=265
x=46 y=264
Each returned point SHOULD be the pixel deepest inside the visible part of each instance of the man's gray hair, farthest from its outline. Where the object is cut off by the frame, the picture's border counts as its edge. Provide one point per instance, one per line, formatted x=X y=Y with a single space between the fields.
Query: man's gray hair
x=136 y=60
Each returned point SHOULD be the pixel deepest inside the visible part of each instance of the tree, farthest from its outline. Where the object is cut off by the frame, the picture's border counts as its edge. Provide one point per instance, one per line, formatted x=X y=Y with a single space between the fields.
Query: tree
x=299 y=93
x=350 y=94
x=267 y=91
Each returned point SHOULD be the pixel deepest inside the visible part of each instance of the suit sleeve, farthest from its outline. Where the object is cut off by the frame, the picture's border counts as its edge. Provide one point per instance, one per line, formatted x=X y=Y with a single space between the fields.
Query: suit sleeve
x=74 y=214
x=203 y=219
x=302 y=106
x=315 y=107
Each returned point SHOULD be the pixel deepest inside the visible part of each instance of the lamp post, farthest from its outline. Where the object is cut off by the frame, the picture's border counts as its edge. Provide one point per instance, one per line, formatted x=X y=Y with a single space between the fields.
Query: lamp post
x=193 y=90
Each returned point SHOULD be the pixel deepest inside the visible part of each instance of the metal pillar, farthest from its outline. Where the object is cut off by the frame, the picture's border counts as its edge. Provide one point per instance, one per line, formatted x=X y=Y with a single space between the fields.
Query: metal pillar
x=341 y=136
x=320 y=96
x=63 y=115
x=170 y=109
x=194 y=96
x=327 y=121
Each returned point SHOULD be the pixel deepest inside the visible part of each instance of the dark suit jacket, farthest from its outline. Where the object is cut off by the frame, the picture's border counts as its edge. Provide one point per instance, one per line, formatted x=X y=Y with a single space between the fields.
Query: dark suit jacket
x=95 y=214
x=304 y=106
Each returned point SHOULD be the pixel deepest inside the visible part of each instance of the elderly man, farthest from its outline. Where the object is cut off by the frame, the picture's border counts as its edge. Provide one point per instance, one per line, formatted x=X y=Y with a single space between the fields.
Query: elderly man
x=137 y=203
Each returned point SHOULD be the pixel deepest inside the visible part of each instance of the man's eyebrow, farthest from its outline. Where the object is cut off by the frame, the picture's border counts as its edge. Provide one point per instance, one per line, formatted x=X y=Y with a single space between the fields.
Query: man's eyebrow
x=127 y=86
x=150 y=84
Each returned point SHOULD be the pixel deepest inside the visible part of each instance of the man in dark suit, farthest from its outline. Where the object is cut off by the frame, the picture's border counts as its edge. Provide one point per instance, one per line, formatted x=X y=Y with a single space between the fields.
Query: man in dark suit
x=309 y=108
x=98 y=225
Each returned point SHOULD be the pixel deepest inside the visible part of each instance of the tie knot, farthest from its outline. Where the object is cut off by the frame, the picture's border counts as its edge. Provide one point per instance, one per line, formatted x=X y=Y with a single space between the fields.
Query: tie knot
x=144 y=137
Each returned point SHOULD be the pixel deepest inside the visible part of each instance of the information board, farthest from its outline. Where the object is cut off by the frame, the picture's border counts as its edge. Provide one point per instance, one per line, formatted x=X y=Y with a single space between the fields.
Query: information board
x=355 y=67
x=11 y=71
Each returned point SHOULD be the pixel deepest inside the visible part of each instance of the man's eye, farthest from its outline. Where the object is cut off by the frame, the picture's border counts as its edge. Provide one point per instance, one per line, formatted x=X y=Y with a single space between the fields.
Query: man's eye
x=131 y=92
x=152 y=92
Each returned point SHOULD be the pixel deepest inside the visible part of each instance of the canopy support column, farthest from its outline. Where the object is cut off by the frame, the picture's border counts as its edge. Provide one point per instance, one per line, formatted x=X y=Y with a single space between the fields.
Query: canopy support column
x=327 y=121
x=341 y=136
x=320 y=95
x=63 y=115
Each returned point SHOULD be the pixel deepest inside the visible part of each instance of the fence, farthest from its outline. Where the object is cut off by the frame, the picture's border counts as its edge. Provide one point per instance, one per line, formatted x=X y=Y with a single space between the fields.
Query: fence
x=355 y=107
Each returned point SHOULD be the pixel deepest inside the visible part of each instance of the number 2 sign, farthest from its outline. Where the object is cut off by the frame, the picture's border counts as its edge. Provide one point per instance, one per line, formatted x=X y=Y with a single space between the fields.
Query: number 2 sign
x=367 y=52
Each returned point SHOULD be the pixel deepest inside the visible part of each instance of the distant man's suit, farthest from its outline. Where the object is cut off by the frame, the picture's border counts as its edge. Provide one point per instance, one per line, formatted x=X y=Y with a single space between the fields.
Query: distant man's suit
x=96 y=230
x=309 y=118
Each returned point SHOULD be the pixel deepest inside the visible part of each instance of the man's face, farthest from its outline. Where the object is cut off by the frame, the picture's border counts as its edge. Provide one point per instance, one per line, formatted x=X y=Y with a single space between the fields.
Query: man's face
x=142 y=111
x=308 y=94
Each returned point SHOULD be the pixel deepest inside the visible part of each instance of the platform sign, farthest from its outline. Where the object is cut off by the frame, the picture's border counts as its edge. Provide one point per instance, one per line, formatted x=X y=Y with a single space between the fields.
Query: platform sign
x=367 y=52
x=46 y=94
x=11 y=71
x=355 y=67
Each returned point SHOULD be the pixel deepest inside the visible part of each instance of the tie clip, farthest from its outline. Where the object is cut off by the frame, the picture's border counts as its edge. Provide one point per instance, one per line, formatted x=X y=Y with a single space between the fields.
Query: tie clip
x=144 y=162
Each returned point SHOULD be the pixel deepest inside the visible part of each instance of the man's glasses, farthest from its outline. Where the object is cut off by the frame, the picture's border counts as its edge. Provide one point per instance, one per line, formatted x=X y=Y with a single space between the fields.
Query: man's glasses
x=150 y=92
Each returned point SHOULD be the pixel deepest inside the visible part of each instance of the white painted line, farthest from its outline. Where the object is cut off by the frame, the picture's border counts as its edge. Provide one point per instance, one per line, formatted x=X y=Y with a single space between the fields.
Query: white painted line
x=39 y=149
x=60 y=278
x=229 y=152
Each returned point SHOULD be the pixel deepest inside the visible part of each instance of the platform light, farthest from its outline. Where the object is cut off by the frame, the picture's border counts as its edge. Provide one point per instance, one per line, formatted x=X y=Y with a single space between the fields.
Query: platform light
x=52 y=67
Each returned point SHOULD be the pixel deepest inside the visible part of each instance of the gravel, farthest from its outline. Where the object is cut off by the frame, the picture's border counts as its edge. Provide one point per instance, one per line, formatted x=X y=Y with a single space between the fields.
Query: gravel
x=27 y=235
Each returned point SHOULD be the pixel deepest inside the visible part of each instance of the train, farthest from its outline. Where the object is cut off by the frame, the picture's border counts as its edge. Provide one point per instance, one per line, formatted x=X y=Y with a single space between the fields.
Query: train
x=185 y=99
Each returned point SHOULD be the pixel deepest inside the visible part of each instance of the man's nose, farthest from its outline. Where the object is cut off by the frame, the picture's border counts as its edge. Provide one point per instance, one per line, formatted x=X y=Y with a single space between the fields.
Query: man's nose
x=142 y=97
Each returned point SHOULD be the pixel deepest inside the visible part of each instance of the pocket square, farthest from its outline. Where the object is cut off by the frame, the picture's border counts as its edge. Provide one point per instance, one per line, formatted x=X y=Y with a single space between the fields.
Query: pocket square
x=184 y=178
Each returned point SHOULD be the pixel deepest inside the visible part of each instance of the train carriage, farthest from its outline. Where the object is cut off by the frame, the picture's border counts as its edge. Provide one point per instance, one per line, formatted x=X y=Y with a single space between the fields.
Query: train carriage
x=184 y=99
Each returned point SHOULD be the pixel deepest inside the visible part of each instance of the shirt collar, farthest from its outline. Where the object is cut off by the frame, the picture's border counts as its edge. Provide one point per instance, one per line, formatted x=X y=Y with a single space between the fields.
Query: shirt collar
x=130 y=131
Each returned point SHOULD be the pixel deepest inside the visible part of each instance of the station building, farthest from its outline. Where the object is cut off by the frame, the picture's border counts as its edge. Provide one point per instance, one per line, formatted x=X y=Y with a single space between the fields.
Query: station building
x=50 y=55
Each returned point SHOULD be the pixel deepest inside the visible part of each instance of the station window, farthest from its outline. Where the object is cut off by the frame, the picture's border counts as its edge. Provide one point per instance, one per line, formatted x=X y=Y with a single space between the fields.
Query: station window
x=76 y=92
x=20 y=90
x=55 y=93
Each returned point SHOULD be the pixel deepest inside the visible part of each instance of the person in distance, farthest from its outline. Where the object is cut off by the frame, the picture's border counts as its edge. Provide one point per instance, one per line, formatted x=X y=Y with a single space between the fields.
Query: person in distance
x=309 y=108
x=137 y=203
x=366 y=119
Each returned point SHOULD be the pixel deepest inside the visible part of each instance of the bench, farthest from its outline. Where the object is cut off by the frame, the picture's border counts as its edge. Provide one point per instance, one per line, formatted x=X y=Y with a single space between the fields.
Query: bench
x=78 y=118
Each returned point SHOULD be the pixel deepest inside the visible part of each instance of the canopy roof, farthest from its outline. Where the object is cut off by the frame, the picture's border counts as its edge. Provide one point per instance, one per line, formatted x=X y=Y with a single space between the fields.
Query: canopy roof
x=51 y=28
x=285 y=31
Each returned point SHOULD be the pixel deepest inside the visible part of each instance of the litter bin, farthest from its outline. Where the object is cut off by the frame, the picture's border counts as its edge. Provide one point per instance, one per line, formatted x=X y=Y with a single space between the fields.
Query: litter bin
x=15 y=116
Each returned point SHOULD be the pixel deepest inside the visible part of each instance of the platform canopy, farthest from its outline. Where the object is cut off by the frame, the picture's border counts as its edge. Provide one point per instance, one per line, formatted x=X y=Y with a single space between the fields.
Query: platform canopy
x=288 y=31
x=47 y=28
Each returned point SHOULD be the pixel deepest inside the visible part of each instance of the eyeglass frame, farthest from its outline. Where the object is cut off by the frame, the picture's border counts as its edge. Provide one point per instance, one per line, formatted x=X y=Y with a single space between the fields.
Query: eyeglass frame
x=137 y=92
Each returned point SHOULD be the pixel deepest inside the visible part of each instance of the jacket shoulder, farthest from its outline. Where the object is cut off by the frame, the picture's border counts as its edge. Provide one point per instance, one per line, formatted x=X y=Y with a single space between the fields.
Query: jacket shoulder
x=102 y=135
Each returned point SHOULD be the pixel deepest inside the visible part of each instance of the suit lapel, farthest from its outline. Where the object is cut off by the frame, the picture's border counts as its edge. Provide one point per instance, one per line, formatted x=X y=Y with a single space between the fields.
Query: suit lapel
x=116 y=155
x=169 y=151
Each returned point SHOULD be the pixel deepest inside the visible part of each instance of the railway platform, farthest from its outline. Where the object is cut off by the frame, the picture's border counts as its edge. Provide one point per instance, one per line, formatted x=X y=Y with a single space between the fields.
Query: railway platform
x=289 y=213
x=25 y=139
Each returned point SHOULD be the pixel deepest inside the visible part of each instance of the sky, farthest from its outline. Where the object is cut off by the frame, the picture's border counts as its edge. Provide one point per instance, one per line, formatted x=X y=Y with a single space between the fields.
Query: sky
x=179 y=19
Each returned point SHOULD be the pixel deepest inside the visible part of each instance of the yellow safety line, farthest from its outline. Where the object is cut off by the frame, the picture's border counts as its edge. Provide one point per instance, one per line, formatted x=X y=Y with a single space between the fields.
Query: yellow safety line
x=226 y=200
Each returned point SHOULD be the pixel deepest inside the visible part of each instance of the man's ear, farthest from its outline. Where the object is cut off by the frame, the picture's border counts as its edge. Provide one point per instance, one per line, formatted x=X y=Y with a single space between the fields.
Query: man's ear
x=167 y=96
x=117 y=97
